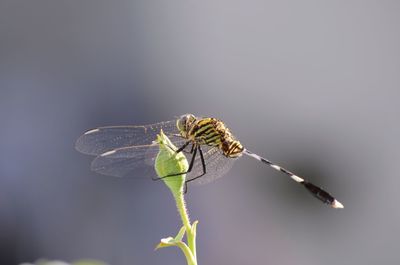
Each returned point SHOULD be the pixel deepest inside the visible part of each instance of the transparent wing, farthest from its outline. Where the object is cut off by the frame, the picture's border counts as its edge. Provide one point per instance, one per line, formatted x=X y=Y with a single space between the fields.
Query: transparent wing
x=135 y=161
x=138 y=161
x=104 y=139
x=217 y=165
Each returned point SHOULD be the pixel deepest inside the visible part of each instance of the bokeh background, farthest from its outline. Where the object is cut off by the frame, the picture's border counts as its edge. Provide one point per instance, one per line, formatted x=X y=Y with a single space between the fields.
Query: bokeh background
x=311 y=85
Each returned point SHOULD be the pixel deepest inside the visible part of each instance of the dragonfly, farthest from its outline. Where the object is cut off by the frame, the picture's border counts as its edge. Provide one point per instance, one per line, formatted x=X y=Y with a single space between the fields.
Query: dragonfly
x=208 y=143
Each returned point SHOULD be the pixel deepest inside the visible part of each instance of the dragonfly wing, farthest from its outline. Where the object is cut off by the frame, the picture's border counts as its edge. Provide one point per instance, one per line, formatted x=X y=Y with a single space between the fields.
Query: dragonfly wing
x=129 y=151
x=136 y=161
x=131 y=161
x=104 y=139
x=217 y=165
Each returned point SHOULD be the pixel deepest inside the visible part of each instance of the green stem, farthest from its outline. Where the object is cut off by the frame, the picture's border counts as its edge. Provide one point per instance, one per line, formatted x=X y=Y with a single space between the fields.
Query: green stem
x=191 y=237
x=190 y=259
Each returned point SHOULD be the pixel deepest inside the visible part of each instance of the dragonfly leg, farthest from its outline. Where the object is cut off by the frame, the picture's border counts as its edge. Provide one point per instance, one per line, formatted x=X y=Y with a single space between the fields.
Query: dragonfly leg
x=189 y=152
x=184 y=146
x=190 y=165
x=203 y=165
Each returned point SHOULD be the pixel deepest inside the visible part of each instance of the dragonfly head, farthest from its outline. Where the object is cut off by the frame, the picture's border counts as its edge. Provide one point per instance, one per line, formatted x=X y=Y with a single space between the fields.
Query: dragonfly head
x=184 y=123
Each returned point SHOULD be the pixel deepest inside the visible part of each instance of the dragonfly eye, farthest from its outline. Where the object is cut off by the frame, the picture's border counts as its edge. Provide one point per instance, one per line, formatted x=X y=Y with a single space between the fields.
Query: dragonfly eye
x=184 y=123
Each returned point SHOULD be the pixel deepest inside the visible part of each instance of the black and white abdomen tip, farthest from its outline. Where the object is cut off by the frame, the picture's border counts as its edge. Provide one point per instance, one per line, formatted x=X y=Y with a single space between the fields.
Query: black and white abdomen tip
x=316 y=191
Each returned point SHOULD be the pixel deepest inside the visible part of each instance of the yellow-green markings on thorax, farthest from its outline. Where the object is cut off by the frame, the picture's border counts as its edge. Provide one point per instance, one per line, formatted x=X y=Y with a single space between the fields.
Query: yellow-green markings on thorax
x=213 y=132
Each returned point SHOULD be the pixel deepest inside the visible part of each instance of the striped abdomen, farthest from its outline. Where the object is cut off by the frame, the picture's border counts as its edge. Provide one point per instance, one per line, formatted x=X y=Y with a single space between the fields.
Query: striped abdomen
x=213 y=132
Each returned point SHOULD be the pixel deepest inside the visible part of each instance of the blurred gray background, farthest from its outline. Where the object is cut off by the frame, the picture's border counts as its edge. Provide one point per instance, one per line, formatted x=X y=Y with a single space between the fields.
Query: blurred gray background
x=311 y=85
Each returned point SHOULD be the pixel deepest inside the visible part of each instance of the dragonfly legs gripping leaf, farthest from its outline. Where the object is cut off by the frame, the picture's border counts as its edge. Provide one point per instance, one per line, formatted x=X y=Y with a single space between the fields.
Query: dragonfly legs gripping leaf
x=203 y=165
x=193 y=151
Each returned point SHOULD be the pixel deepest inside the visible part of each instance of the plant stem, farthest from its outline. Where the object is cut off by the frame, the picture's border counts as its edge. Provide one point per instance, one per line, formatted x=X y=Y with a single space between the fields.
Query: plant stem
x=190 y=235
x=190 y=259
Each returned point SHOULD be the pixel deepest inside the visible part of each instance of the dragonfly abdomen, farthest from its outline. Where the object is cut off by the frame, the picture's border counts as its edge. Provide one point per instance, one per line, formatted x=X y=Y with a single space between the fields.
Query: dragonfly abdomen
x=232 y=148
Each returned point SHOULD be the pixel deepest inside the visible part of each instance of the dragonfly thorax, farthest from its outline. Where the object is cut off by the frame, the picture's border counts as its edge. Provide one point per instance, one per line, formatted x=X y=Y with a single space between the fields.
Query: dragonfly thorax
x=211 y=132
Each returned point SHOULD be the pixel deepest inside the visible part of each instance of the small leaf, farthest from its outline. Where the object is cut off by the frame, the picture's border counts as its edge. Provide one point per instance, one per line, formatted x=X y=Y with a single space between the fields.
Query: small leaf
x=166 y=242
x=170 y=241
x=194 y=227
x=180 y=234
